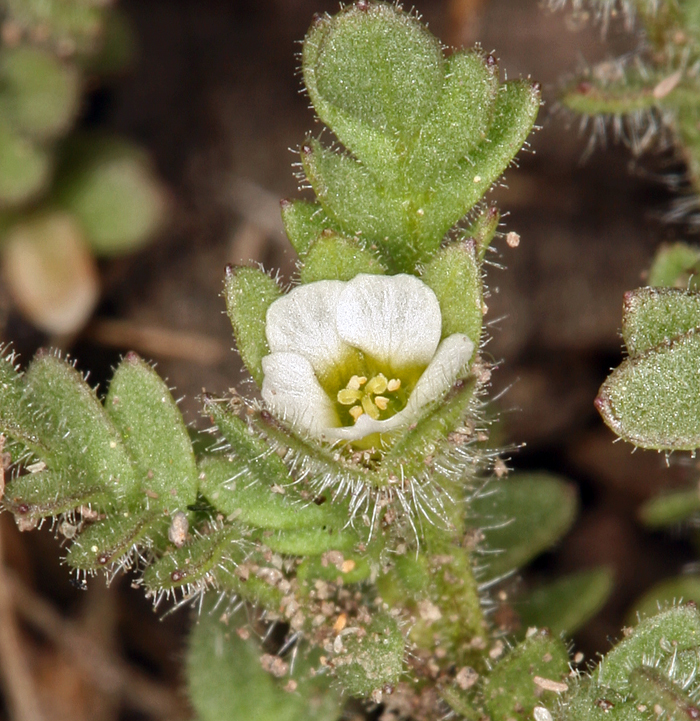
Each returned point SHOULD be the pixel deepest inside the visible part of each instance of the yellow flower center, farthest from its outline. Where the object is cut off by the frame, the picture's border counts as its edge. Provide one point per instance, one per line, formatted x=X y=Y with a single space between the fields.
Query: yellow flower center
x=374 y=397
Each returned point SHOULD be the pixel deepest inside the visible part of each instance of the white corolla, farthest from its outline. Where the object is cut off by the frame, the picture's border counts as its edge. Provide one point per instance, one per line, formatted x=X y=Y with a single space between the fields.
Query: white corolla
x=348 y=360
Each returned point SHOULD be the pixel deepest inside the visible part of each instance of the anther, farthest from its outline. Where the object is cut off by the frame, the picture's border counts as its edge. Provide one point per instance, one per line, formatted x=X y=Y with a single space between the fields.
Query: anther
x=356 y=382
x=348 y=396
x=378 y=384
x=381 y=402
x=356 y=412
x=393 y=385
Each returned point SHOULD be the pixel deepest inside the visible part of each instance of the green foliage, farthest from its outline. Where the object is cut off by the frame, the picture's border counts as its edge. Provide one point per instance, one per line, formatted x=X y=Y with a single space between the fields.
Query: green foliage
x=511 y=690
x=521 y=517
x=227 y=680
x=566 y=604
x=425 y=136
x=249 y=293
x=663 y=595
x=332 y=257
x=670 y=508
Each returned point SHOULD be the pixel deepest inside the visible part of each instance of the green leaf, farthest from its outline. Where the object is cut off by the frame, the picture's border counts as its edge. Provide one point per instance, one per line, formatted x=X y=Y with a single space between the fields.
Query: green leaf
x=372 y=660
x=375 y=65
x=111 y=188
x=483 y=229
x=34 y=496
x=675 y=266
x=653 y=399
x=14 y=416
x=71 y=423
x=25 y=168
x=249 y=293
x=671 y=591
x=521 y=517
x=112 y=542
x=197 y=564
x=587 y=701
x=314 y=541
x=511 y=690
x=261 y=462
x=654 y=689
x=663 y=635
x=566 y=604
x=670 y=508
x=303 y=223
x=454 y=275
x=226 y=679
x=234 y=490
x=351 y=196
x=654 y=315
x=40 y=93
x=333 y=257
x=141 y=407
x=71 y=27
x=460 y=119
x=461 y=189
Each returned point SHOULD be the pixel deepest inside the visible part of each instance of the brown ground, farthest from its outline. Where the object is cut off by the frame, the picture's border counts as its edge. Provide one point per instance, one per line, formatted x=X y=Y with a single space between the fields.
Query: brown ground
x=216 y=99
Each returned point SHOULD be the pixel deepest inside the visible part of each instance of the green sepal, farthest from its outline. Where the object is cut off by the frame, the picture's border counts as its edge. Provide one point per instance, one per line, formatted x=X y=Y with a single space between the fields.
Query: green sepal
x=227 y=681
x=460 y=120
x=334 y=257
x=510 y=690
x=260 y=461
x=373 y=660
x=312 y=541
x=566 y=604
x=667 y=633
x=670 y=508
x=653 y=399
x=517 y=104
x=654 y=315
x=372 y=68
x=521 y=517
x=233 y=490
x=303 y=223
x=679 y=589
x=111 y=542
x=416 y=447
x=482 y=230
x=454 y=275
x=675 y=265
x=143 y=410
x=652 y=688
x=25 y=167
x=34 y=496
x=197 y=563
x=111 y=188
x=70 y=422
x=40 y=93
x=249 y=293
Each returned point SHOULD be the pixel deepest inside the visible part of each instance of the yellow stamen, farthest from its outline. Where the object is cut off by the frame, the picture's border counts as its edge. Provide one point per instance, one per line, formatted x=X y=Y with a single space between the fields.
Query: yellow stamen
x=381 y=402
x=369 y=408
x=356 y=412
x=393 y=385
x=347 y=396
x=355 y=382
x=378 y=384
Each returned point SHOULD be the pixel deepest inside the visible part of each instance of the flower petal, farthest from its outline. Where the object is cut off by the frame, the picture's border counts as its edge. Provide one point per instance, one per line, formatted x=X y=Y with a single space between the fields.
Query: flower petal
x=292 y=392
x=447 y=365
x=395 y=319
x=303 y=322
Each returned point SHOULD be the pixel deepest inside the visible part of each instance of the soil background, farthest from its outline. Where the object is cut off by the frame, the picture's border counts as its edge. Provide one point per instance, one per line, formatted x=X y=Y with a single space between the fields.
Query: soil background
x=216 y=98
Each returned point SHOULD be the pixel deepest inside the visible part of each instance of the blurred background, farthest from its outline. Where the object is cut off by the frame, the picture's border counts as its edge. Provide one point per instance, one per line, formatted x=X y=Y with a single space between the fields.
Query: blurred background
x=207 y=103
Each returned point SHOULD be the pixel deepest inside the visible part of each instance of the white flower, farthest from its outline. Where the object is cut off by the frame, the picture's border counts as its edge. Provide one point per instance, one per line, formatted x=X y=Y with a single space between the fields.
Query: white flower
x=348 y=360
